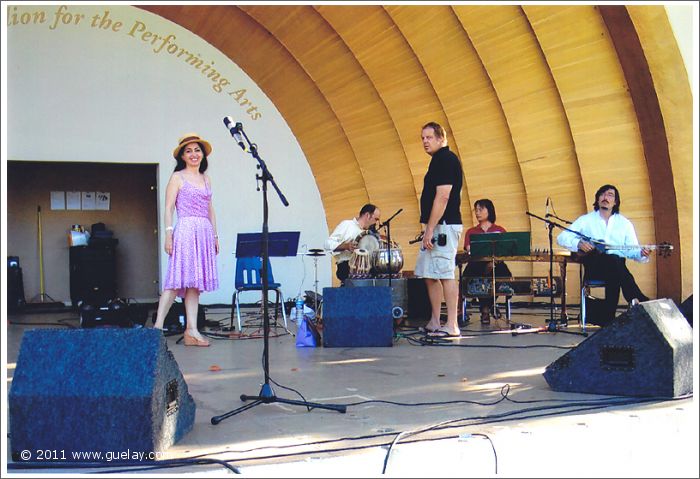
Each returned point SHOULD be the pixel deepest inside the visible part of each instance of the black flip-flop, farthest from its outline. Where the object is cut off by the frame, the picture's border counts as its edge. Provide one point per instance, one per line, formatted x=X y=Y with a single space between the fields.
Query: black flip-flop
x=440 y=333
x=426 y=330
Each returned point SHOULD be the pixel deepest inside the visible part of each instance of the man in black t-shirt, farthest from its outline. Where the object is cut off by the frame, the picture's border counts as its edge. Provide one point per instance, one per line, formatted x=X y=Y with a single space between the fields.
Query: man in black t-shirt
x=442 y=221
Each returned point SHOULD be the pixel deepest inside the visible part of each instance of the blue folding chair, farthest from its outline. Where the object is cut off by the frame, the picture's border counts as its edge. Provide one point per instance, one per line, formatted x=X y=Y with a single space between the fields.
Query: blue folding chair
x=249 y=278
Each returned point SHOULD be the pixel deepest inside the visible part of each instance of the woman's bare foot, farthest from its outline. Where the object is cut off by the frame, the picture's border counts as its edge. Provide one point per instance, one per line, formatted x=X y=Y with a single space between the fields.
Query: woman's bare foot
x=433 y=325
x=445 y=332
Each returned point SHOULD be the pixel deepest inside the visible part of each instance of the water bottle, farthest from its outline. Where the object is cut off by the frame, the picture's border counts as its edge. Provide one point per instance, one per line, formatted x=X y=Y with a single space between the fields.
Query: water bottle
x=300 y=309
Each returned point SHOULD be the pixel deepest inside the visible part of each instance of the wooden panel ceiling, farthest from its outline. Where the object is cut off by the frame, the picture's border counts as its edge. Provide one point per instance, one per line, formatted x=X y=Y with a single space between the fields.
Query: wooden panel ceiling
x=536 y=101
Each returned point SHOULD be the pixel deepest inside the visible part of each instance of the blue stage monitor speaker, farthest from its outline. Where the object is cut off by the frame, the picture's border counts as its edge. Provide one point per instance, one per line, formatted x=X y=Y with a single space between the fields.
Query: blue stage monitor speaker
x=645 y=351
x=86 y=394
x=357 y=317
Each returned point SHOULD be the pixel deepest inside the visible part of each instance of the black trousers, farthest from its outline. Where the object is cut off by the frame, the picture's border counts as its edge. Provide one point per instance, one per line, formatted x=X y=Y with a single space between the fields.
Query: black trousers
x=613 y=270
x=343 y=271
x=482 y=268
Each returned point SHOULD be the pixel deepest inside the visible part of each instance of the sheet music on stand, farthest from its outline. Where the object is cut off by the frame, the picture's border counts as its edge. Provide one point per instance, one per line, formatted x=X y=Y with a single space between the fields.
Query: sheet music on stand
x=515 y=243
x=283 y=243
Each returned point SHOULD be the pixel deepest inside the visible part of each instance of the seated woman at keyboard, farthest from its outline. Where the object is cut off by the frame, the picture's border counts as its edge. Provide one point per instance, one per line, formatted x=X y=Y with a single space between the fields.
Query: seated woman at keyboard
x=485 y=214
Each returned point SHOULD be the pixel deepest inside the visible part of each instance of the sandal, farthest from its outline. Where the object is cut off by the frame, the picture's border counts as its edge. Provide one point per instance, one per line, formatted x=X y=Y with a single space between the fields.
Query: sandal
x=192 y=341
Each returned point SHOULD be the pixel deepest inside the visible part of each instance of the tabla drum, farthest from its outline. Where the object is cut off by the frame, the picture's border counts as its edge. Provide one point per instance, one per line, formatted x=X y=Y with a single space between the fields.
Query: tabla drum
x=381 y=259
x=360 y=262
x=369 y=242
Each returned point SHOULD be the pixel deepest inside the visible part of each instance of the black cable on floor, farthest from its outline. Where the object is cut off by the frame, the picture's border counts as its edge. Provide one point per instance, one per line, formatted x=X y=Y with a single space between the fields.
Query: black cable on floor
x=574 y=407
x=137 y=466
x=483 y=420
x=579 y=405
x=444 y=342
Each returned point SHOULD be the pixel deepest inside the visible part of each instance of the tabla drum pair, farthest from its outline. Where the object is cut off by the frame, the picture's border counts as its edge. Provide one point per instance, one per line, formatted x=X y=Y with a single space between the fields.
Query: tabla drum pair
x=373 y=252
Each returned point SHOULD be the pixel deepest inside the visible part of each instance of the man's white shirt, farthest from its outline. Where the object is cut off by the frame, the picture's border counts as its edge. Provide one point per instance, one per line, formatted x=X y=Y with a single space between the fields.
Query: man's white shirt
x=618 y=231
x=345 y=231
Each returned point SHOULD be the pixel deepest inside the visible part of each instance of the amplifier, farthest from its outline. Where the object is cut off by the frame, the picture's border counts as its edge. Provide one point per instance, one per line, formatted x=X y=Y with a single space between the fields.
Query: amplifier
x=357 y=317
x=114 y=313
x=399 y=297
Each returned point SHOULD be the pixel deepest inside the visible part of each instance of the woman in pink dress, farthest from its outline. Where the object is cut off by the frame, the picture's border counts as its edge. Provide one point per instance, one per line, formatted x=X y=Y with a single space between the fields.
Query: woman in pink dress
x=193 y=243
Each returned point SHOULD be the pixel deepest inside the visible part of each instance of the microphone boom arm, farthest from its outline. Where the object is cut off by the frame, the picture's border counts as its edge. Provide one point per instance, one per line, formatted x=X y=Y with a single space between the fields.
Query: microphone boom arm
x=382 y=225
x=554 y=223
x=253 y=150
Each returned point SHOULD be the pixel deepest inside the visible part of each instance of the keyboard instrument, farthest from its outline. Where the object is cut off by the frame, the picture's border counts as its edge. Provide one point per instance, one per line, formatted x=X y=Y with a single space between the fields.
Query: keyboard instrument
x=535 y=256
x=518 y=286
x=537 y=286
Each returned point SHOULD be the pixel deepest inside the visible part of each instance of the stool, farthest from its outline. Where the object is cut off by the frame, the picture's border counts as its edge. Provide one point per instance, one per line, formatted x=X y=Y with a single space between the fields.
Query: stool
x=494 y=310
x=586 y=287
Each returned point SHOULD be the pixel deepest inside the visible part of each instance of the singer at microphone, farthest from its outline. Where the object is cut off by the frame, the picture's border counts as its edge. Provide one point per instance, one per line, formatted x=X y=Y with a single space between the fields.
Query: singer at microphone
x=193 y=242
x=235 y=131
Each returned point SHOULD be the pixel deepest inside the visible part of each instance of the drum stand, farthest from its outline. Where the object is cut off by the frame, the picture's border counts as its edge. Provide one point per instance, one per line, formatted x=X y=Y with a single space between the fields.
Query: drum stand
x=315 y=253
x=387 y=223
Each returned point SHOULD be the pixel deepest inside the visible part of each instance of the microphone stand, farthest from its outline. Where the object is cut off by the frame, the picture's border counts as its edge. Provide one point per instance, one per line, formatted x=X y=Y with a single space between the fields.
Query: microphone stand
x=552 y=215
x=387 y=223
x=552 y=326
x=267 y=394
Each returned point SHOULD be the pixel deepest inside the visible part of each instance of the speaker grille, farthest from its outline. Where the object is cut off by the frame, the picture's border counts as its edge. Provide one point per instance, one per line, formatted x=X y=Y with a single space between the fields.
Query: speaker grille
x=171 y=398
x=617 y=358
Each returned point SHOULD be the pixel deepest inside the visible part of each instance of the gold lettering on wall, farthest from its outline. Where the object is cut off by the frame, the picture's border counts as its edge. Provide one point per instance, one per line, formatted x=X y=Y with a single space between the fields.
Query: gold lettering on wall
x=239 y=96
x=15 y=17
x=160 y=43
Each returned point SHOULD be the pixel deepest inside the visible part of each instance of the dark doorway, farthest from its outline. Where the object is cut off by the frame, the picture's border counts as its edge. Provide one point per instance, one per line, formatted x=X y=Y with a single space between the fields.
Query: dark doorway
x=132 y=217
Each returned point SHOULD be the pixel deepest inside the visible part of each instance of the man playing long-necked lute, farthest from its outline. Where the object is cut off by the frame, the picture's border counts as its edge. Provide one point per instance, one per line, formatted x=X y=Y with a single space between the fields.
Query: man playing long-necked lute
x=607 y=228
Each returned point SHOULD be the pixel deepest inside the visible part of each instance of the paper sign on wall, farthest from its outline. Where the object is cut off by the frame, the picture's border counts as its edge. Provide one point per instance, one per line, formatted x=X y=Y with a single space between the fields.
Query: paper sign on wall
x=58 y=200
x=102 y=200
x=72 y=200
x=88 y=200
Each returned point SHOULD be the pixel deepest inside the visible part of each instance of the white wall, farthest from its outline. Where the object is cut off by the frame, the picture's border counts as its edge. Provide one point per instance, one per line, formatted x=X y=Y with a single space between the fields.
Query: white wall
x=78 y=92
x=683 y=18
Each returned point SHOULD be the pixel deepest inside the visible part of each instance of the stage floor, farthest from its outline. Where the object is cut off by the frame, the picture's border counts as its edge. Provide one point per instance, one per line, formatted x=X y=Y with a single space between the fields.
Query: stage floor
x=469 y=407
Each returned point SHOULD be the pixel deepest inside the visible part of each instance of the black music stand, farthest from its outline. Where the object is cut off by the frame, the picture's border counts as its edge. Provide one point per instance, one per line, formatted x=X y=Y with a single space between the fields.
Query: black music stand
x=266 y=394
x=283 y=243
x=499 y=244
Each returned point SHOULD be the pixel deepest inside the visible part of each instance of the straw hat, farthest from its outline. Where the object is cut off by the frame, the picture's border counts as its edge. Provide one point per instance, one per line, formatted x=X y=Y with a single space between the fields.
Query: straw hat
x=191 y=138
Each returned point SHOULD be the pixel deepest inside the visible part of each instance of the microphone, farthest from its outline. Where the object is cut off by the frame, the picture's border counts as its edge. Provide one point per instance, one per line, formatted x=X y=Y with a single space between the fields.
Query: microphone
x=417 y=238
x=546 y=213
x=235 y=131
